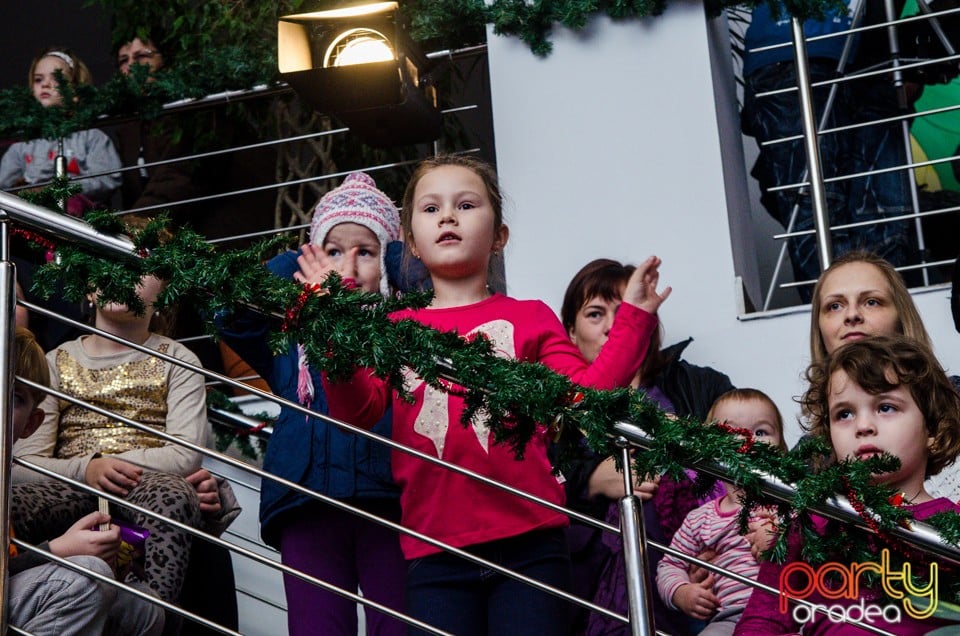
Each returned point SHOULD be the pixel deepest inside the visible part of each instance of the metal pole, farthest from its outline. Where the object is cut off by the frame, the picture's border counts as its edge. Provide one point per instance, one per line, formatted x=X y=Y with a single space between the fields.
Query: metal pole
x=824 y=118
x=821 y=216
x=8 y=302
x=838 y=507
x=634 y=551
x=66 y=228
x=60 y=166
x=904 y=107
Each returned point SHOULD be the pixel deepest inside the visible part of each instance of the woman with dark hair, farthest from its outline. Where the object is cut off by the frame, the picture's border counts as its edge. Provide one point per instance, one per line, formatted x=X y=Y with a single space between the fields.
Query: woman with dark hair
x=593 y=484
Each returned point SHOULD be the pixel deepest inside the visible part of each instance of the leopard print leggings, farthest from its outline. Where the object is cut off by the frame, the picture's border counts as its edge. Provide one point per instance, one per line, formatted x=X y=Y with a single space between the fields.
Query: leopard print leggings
x=45 y=510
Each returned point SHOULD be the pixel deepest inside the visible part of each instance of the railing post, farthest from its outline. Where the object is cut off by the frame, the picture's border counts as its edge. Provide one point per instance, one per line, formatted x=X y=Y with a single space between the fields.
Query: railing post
x=634 y=551
x=60 y=169
x=8 y=301
x=821 y=215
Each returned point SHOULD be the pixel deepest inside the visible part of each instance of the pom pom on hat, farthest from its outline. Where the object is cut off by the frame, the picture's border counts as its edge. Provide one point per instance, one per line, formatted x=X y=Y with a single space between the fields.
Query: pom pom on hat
x=357 y=200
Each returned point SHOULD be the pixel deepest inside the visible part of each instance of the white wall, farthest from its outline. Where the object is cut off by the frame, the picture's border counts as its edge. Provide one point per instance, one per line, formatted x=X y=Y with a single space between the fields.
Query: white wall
x=609 y=148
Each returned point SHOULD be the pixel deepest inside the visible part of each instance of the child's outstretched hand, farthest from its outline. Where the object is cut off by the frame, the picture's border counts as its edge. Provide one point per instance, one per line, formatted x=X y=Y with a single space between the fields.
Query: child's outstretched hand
x=83 y=538
x=641 y=289
x=316 y=265
x=697 y=599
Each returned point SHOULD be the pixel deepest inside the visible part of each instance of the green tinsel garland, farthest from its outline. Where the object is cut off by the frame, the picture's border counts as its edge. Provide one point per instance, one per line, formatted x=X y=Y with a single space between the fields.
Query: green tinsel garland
x=223 y=68
x=343 y=329
x=209 y=67
x=250 y=443
x=533 y=21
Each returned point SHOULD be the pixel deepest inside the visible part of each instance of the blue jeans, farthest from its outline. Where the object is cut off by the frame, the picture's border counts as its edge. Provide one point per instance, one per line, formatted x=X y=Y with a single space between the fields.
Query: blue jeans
x=849 y=200
x=466 y=599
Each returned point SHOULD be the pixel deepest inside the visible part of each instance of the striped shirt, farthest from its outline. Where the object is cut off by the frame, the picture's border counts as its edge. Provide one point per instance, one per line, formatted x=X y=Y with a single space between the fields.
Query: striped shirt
x=707 y=527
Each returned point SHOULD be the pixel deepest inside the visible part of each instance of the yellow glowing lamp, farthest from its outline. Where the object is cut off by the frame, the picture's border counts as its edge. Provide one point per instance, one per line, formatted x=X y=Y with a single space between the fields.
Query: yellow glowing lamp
x=358 y=46
x=356 y=62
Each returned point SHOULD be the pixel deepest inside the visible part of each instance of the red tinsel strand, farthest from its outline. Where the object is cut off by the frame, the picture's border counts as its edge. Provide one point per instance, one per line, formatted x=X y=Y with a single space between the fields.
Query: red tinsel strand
x=861 y=509
x=35 y=238
x=748 y=440
x=292 y=315
x=252 y=430
x=452 y=389
x=896 y=499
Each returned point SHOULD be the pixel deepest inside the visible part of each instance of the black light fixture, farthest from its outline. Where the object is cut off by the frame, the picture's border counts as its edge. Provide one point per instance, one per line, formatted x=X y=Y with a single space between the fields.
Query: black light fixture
x=358 y=63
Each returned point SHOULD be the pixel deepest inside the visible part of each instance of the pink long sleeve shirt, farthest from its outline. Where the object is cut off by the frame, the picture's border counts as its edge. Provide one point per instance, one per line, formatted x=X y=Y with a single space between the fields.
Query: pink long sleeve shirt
x=456 y=509
x=709 y=527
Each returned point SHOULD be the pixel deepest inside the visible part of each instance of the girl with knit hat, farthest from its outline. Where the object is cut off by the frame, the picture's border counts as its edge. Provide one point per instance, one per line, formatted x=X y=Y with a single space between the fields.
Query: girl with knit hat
x=351 y=228
x=453 y=222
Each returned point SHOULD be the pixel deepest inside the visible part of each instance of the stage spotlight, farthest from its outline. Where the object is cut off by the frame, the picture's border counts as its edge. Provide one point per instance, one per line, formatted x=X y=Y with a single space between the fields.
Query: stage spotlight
x=357 y=63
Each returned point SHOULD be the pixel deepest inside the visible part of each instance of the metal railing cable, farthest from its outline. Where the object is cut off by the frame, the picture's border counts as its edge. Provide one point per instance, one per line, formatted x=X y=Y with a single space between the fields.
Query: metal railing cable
x=394 y=445
x=627 y=429
x=635 y=434
x=179 y=525
x=886 y=120
x=857 y=175
x=262 y=188
x=119 y=246
x=318 y=496
x=878 y=25
x=7 y=368
x=889 y=219
x=767 y=589
x=838 y=507
x=865 y=74
x=273 y=186
x=812 y=133
x=226 y=151
x=166 y=605
x=191 y=157
x=259 y=234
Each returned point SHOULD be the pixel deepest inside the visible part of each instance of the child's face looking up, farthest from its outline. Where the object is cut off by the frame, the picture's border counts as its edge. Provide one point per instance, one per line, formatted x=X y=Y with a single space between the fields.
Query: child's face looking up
x=863 y=425
x=756 y=416
x=592 y=326
x=45 y=86
x=453 y=223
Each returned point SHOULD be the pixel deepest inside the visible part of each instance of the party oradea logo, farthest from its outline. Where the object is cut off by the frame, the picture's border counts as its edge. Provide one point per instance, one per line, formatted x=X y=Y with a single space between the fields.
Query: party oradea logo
x=834 y=581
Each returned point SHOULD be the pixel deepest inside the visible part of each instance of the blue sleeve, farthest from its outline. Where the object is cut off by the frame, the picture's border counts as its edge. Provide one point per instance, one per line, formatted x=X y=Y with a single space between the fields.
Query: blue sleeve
x=247 y=332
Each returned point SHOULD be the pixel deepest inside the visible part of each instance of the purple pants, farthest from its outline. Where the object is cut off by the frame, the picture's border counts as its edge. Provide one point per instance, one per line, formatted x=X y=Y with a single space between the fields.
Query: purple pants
x=348 y=552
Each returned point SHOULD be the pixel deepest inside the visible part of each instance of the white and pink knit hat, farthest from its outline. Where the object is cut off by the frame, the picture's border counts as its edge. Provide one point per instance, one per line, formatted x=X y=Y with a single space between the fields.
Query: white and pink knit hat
x=357 y=200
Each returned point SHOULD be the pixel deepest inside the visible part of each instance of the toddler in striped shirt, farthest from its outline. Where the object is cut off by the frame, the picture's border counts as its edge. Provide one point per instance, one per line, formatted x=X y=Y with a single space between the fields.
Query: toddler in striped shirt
x=712 y=528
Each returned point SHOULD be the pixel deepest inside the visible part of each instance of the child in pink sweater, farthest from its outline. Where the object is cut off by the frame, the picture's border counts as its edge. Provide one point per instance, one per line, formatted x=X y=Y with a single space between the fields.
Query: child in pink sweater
x=453 y=221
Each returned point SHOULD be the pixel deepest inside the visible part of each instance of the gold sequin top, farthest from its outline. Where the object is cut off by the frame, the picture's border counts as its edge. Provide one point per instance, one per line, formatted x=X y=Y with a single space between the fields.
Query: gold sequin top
x=158 y=393
x=136 y=390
